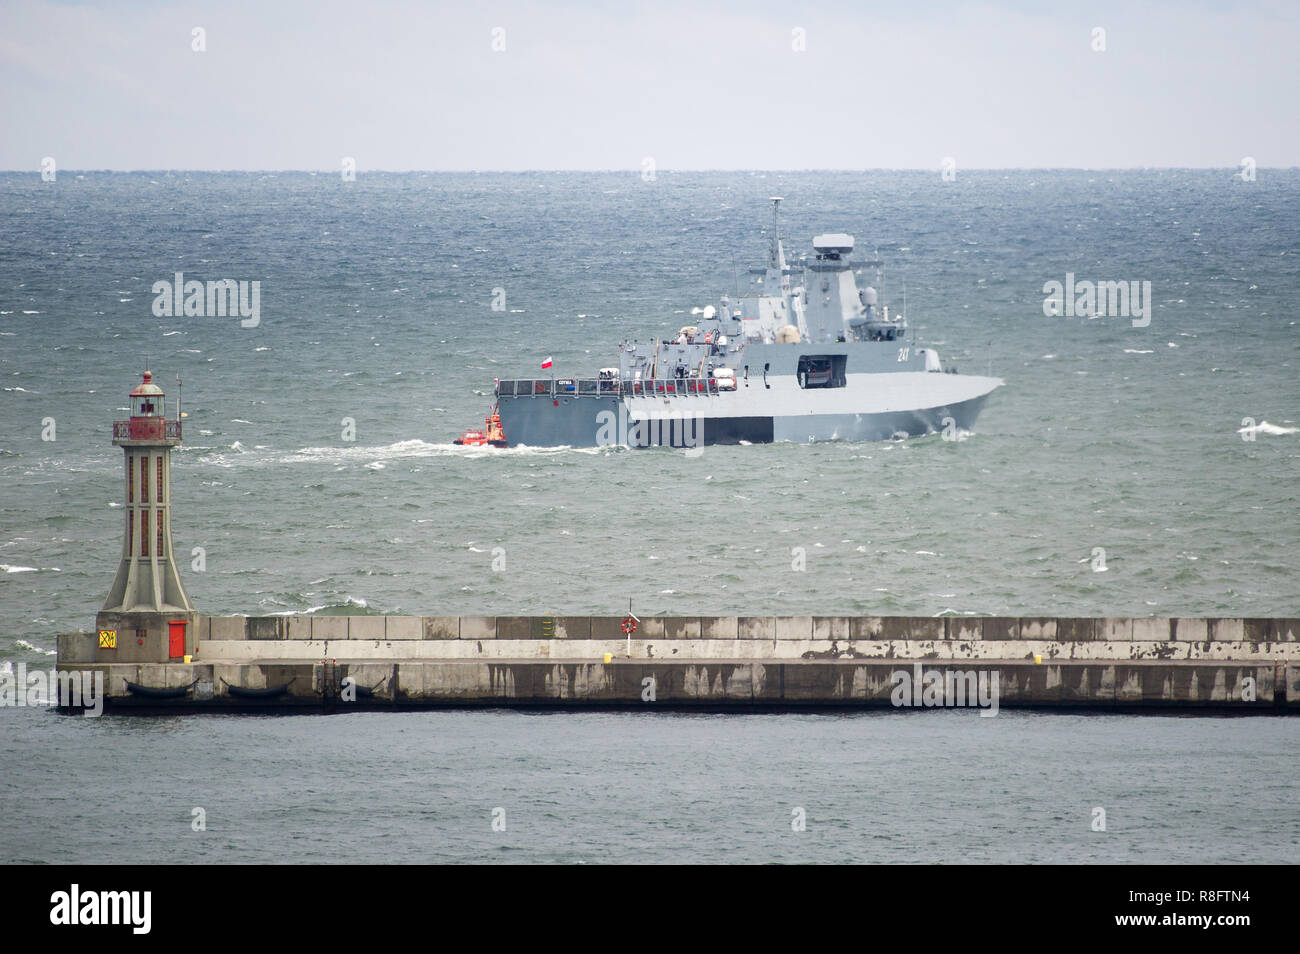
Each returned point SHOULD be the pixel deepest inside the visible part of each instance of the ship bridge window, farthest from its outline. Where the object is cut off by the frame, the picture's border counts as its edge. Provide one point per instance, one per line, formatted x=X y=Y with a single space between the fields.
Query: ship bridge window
x=822 y=370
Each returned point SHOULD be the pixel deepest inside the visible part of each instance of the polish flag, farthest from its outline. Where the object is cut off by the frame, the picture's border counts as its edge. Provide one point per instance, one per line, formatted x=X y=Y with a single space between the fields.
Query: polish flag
x=546 y=363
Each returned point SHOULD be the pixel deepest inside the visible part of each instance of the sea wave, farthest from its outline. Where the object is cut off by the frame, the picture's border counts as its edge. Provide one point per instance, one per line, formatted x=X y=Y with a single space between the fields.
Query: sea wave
x=349 y=607
x=34 y=648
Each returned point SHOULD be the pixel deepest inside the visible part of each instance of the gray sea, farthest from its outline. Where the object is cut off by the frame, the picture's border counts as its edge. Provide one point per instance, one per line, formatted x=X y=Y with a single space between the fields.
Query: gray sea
x=1122 y=470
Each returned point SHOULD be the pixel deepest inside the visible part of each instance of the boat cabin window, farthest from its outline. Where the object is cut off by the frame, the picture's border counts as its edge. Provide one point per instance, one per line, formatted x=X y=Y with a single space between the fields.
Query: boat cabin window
x=822 y=370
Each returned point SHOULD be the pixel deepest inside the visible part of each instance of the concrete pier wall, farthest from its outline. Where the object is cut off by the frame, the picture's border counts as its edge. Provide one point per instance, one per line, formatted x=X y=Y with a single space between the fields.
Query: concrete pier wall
x=716 y=662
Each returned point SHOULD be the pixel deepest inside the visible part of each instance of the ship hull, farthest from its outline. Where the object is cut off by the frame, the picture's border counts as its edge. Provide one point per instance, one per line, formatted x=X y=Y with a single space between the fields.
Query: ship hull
x=873 y=408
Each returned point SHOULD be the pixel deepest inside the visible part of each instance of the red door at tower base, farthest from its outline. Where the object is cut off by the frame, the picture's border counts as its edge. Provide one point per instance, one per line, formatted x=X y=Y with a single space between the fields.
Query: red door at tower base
x=176 y=639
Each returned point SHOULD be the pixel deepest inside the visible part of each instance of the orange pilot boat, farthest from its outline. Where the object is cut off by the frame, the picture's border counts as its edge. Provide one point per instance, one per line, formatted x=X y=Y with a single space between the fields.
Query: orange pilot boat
x=492 y=434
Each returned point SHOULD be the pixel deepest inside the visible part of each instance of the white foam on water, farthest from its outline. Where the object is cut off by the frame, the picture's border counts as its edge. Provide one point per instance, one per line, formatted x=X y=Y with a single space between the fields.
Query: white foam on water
x=36 y=649
x=19 y=569
x=408 y=449
x=372 y=454
x=293 y=612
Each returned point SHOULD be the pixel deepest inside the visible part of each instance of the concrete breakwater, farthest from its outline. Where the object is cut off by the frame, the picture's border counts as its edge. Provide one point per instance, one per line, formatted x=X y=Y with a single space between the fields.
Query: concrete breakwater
x=706 y=662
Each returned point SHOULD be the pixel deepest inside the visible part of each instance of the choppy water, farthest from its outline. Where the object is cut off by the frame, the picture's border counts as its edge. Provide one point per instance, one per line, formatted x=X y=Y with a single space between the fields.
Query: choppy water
x=599 y=787
x=375 y=305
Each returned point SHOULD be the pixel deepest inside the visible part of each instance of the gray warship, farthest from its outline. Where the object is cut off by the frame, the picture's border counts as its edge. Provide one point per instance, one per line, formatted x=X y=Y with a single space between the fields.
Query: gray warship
x=803 y=356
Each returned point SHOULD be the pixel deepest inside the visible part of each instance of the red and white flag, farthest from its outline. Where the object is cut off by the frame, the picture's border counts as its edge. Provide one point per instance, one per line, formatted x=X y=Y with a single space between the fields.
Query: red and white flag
x=546 y=363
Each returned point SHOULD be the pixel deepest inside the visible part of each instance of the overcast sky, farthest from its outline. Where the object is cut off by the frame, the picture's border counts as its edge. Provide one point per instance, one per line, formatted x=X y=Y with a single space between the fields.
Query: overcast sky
x=602 y=85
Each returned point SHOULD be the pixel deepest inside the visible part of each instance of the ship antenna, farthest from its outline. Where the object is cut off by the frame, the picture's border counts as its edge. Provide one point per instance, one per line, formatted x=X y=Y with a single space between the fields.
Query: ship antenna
x=774 y=254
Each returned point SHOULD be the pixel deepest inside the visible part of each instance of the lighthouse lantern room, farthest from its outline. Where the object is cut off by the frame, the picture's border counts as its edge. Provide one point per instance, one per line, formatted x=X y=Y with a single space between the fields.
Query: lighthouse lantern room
x=147 y=606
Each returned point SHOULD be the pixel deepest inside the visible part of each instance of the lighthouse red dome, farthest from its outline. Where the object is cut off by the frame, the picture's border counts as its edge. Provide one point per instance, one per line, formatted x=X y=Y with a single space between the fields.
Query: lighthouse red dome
x=146 y=387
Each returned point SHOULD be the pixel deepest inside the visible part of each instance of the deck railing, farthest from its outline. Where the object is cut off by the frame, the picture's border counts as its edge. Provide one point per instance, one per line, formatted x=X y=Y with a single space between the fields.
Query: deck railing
x=601 y=387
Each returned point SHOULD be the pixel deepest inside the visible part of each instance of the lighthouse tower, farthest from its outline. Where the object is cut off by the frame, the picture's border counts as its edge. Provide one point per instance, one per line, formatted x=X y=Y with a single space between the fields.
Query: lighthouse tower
x=147 y=606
